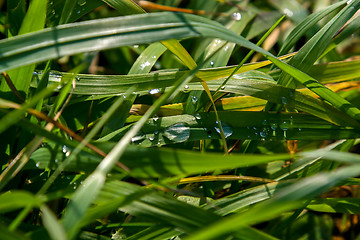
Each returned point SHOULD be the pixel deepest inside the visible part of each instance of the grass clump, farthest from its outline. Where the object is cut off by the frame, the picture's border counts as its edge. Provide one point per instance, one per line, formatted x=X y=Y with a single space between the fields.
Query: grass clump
x=179 y=119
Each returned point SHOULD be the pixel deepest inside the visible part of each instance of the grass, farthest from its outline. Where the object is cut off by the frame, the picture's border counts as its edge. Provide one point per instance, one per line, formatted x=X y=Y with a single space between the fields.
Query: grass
x=197 y=120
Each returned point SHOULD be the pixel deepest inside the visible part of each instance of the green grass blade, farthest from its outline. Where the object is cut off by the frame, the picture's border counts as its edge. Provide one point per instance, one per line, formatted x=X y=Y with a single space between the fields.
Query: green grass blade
x=305 y=25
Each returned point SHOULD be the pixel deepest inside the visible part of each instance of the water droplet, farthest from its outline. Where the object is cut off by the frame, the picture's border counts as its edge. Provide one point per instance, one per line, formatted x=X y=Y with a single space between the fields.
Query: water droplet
x=284 y=100
x=264 y=122
x=56 y=160
x=284 y=126
x=81 y=2
x=37 y=164
x=236 y=16
x=154 y=91
x=136 y=46
x=194 y=99
x=273 y=126
x=139 y=137
x=222 y=87
x=154 y=57
x=144 y=65
x=198 y=116
x=77 y=78
x=155 y=119
x=151 y=138
x=66 y=151
x=186 y=87
x=178 y=132
x=348 y=2
x=264 y=133
x=212 y=63
x=156 y=132
x=55 y=76
x=288 y=12
x=226 y=128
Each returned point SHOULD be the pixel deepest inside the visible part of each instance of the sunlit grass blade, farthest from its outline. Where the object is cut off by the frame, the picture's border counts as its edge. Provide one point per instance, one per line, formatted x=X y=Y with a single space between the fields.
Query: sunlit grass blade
x=305 y=25
x=311 y=51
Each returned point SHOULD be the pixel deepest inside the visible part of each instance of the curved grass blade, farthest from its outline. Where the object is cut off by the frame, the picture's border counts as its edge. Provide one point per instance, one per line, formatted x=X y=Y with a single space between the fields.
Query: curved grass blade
x=312 y=50
x=177 y=21
x=305 y=25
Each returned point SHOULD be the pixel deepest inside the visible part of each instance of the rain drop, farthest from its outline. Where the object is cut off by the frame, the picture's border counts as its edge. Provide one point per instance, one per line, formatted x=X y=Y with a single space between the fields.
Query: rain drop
x=236 y=16
x=178 y=132
x=263 y=133
x=144 y=65
x=288 y=12
x=284 y=126
x=139 y=137
x=66 y=151
x=273 y=126
x=194 y=99
x=226 y=128
x=55 y=76
x=154 y=91
x=284 y=100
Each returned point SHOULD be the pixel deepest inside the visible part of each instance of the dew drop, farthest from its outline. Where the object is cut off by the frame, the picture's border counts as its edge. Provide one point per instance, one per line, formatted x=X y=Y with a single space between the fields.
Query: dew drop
x=273 y=126
x=55 y=76
x=77 y=78
x=144 y=65
x=151 y=138
x=284 y=100
x=284 y=126
x=236 y=16
x=349 y=1
x=226 y=128
x=139 y=137
x=186 y=87
x=222 y=87
x=194 y=99
x=212 y=63
x=178 y=132
x=155 y=119
x=136 y=46
x=198 y=116
x=264 y=133
x=154 y=91
x=288 y=12
x=66 y=151
x=37 y=164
